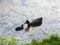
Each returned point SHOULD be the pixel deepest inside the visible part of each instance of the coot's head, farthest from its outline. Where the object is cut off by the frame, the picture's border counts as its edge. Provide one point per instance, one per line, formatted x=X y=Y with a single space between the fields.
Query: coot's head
x=27 y=21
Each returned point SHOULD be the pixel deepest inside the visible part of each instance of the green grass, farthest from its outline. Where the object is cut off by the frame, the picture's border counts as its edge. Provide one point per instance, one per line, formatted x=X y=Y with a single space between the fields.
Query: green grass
x=8 y=40
x=53 y=39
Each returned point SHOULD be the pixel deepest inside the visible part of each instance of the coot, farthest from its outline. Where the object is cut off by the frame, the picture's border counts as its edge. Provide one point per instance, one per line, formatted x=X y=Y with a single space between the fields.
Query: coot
x=34 y=23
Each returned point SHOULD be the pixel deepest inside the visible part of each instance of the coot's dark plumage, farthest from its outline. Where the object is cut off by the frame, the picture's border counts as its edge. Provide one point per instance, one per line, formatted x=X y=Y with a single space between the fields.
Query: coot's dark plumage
x=34 y=23
x=19 y=28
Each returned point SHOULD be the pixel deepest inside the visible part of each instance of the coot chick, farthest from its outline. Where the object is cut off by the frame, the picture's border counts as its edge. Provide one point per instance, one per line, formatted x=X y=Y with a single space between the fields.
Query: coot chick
x=34 y=23
x=19 y=28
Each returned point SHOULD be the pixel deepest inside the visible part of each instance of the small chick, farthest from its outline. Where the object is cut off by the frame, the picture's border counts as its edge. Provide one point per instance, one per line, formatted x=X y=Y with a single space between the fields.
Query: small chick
x=19 y=28
x=27 y=30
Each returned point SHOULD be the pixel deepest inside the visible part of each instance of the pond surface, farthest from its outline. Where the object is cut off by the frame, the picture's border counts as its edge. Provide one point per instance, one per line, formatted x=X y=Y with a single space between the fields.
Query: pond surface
x=13 y=13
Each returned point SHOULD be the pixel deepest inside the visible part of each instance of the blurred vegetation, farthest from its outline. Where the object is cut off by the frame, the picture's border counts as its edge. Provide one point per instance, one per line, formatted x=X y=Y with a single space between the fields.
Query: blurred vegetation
x=8 y=40
x=53 y=39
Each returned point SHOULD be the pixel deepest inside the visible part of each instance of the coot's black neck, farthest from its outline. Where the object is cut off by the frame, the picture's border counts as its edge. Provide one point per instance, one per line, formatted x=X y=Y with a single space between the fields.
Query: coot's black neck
x=27 y=22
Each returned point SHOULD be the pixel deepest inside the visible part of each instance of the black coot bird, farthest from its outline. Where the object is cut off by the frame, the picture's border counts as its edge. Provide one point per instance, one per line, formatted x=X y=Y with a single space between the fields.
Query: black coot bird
x=34 y=23
x=19 y=28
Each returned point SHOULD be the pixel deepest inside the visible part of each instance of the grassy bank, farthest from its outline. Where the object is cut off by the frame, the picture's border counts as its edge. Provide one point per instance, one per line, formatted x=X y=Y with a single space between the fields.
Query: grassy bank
x=12 y=40
x=51 y=40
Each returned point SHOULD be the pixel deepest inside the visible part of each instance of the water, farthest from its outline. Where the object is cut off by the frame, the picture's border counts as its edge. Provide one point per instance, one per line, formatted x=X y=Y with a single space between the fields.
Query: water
x=14 y=13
